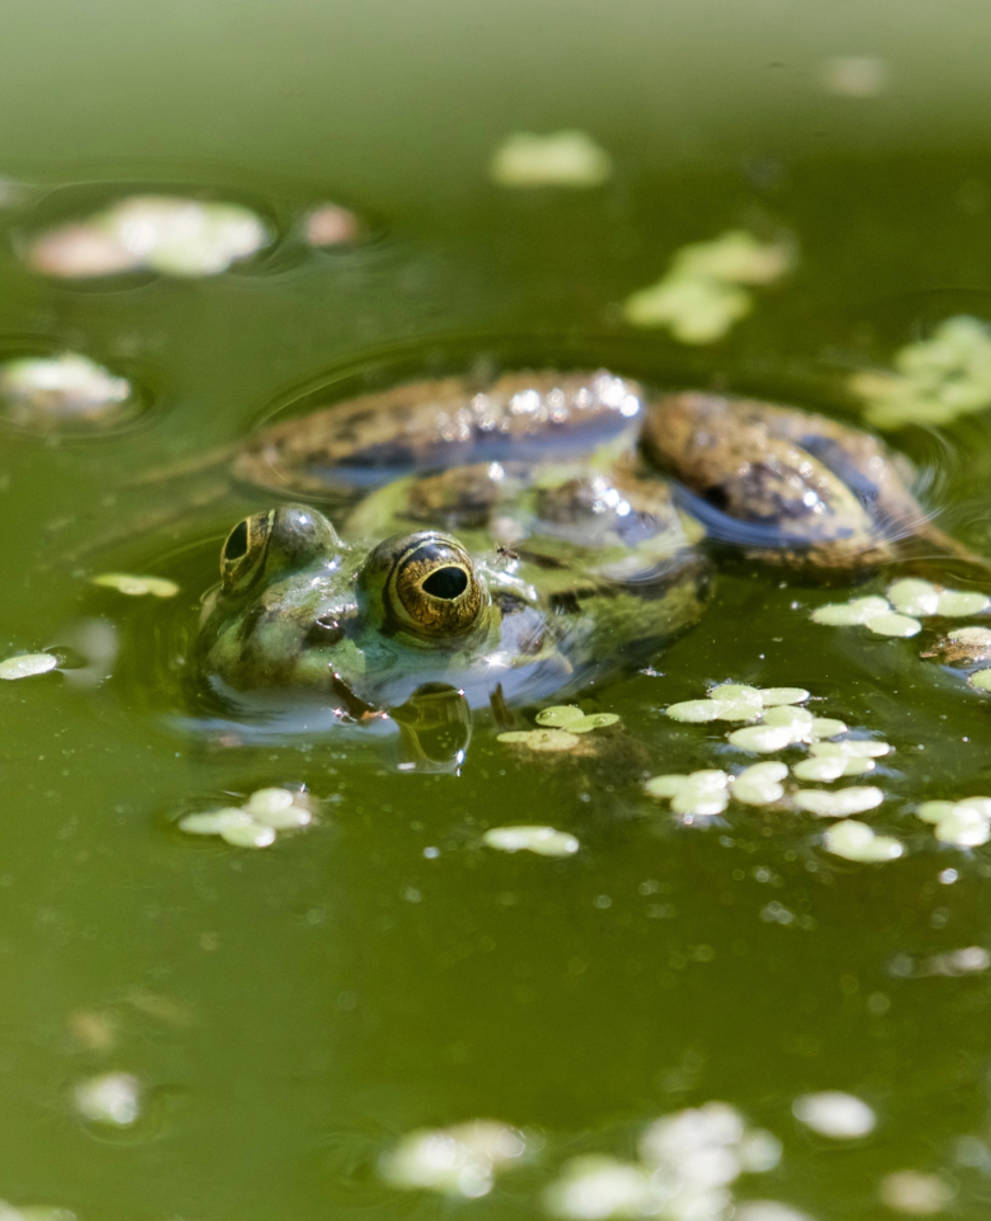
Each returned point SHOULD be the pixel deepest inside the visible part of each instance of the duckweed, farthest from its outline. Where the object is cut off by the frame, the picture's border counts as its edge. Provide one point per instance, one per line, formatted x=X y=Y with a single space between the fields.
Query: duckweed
x=736 y=702
x=544 y=841
x=704 y=293
x=137 y=586
x=540 y=739
x=965 y=823
x=26 y=665
x=255 y=823
x=462 y=1160
x=688 y=1163
x=571 y=718
x=34 y=1212
x=934 y=380
x=856 y=841
x=839 y=803
x=558 y=159
x=43 y=392
x=169 y=234
x=835 y=1114
x=110 y=1099
x=916 y=597
x=915 y=1193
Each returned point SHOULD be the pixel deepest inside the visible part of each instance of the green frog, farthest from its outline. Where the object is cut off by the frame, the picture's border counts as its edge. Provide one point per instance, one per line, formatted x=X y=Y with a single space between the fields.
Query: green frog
x=527 y=538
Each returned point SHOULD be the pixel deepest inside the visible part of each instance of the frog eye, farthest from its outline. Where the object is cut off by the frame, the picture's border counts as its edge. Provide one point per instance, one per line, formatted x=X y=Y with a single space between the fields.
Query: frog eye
x=432 y=587
x=244 y=551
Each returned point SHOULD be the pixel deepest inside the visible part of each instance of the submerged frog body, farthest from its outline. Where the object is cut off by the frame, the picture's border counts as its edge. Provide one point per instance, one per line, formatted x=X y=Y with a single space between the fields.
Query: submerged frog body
x=521 y=541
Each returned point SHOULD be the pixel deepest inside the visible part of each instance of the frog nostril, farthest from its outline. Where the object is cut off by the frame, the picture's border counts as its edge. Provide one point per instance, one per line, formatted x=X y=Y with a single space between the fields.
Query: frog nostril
x=448 y=582
x=325 y=630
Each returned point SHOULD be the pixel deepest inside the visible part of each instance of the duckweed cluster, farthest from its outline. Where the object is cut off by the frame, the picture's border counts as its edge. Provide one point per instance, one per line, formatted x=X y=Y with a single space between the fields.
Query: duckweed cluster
x=540 y=840
x=966 y=823
x=68 y=389
x=569 y=159
x=462 y=1160
x=559 y=728
x=168 y=234
x=934 y=380
x=706 y=290
x=255 y=823
x=780 y=725
x=687 y=1166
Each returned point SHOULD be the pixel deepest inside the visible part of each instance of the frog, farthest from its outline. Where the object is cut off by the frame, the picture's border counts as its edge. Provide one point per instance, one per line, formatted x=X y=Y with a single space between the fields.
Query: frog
x=527 y=538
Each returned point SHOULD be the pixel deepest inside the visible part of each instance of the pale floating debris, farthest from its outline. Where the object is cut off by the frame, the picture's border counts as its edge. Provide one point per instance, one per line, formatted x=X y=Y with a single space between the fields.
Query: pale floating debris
x=596 y=1187
x=44 y=392
x=557 y=159
x=215 y=822
x=831 y=767
x=549 y=740
x=759 y=784
x=962 y=646
x=855 y=612
x=767 y=1210
x=703 y=293
x=165 y=233
x=934 y=380
x=458 y=1161
x=762 y=739
x=915 y=1193
x=981 y=680
x=916 y=597
x=544 y=841
x=26 y=665
x=250 y=835
x=134 y=586
x=702 y=793
x=112 y=1099
x=329 y=224
x=856 y=841
x=569 y=717
x=835 y=1114
x=839 y=803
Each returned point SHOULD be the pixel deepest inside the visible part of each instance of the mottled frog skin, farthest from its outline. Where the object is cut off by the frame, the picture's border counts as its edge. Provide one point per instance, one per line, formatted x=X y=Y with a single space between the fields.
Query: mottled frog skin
x=524 y=539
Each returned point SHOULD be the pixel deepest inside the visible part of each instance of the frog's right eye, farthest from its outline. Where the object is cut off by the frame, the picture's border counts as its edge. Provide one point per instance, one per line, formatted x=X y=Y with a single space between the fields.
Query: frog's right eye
x=243 y=553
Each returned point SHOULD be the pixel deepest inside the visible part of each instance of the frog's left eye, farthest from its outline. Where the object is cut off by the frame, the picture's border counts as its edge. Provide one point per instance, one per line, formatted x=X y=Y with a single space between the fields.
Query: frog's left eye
x=432 y=587
x=244 y=551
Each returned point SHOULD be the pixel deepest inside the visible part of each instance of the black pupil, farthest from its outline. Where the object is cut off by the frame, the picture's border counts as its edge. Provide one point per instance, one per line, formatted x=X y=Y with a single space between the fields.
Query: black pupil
x=446 y=583
x=237 y=542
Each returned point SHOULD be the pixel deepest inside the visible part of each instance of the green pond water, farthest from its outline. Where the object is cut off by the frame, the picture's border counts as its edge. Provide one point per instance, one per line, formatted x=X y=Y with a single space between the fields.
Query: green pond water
x=292 y=1013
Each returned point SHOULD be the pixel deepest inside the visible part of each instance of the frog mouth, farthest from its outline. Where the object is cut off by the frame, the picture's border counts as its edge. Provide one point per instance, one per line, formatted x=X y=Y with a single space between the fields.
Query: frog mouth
x=352 y=705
